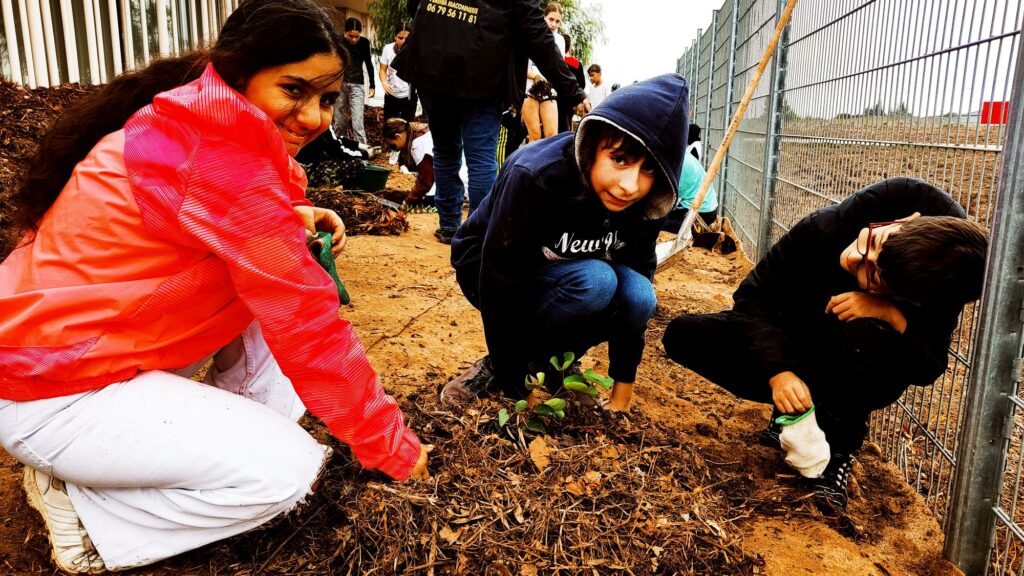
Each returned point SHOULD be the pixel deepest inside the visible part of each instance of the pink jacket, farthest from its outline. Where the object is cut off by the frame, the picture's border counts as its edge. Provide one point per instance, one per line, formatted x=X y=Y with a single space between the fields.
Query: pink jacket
x=171 y=236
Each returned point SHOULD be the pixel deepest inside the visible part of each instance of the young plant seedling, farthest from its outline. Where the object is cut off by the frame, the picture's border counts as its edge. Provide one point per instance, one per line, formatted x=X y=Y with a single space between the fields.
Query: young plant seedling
x=535 y=412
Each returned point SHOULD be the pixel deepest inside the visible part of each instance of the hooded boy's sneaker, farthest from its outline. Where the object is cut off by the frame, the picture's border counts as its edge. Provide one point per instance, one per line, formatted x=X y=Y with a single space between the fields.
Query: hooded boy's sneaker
x=70 y=546
x=474 y=382
x=831 y=487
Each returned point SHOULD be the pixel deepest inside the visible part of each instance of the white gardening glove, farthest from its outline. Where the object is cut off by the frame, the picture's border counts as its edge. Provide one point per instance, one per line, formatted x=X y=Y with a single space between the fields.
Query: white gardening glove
x=806 y=448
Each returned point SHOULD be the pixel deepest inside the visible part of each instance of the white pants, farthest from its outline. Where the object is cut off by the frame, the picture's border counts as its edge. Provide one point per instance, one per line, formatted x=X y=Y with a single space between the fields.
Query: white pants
x=160 y=464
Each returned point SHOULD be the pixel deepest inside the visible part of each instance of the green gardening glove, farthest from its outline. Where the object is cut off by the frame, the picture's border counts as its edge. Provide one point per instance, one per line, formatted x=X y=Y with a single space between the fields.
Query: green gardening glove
x=320 y=248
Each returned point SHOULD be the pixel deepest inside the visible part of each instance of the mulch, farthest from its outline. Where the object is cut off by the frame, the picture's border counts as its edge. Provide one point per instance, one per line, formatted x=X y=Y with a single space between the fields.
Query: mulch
x=25 y=115
x=600 y=493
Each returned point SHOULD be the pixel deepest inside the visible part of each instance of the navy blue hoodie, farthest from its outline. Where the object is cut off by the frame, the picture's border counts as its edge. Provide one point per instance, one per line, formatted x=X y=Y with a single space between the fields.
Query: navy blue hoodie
x=541 y=210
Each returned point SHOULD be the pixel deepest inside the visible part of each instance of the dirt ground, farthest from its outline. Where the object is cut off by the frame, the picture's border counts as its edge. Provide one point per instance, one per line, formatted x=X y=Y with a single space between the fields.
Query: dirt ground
x=720 y=503
x=419 y=331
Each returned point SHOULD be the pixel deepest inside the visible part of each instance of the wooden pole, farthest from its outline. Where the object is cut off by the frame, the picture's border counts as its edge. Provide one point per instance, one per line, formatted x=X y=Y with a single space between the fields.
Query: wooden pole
x=668 y=251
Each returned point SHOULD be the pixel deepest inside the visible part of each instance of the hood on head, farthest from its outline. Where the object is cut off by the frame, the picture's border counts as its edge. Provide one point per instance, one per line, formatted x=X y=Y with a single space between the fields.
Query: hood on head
x=655 y=113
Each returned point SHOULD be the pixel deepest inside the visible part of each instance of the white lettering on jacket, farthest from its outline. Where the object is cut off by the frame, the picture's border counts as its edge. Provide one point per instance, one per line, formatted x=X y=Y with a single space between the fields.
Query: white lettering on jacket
x=569 y=245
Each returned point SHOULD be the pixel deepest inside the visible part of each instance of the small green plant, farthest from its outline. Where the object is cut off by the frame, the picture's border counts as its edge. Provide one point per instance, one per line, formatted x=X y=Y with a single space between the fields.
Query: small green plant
x=586 y=382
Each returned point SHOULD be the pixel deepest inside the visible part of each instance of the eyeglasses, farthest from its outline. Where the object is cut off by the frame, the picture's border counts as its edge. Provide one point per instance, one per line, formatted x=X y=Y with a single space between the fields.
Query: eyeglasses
x=866 y=245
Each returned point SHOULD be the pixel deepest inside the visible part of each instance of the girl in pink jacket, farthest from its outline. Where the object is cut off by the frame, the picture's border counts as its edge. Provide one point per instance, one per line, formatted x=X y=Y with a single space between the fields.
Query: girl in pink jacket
x=163 y=224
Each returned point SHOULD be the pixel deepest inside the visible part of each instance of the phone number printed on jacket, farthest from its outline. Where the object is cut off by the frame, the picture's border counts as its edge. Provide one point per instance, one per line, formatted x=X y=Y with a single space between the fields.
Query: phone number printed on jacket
x=454 y=10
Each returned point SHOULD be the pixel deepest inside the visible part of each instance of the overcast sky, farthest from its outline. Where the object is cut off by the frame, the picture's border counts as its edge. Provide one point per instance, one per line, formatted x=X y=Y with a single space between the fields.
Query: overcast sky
x=644 y=38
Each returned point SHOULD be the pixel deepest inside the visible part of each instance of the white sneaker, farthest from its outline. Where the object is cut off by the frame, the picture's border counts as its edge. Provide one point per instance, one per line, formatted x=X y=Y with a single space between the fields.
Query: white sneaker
x=70 y=547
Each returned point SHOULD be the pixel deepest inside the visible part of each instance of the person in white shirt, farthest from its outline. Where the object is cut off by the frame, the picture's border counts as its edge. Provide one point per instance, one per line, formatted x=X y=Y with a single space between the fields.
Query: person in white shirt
x=399 y=96
x=597 y=91
x=415 y=147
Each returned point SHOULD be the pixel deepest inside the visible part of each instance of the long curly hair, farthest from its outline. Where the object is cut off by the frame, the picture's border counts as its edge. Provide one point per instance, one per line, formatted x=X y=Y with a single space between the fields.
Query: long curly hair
x=259 y=34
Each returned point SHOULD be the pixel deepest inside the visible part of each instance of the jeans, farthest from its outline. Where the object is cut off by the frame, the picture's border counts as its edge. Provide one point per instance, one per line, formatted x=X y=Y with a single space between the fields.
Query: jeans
x=348 y=112
x=461 y=126
x=586 y=302
x=850 y=372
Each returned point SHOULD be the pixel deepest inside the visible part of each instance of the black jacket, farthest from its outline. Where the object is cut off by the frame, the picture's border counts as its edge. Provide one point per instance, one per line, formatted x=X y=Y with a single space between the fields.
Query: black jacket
x=359 y=56
x=785 y=295
x=478 y=50
x=539 y=211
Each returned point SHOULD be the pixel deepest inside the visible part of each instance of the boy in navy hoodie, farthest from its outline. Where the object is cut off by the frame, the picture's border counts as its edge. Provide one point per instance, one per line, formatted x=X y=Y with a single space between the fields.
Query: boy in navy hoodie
x=560 y=255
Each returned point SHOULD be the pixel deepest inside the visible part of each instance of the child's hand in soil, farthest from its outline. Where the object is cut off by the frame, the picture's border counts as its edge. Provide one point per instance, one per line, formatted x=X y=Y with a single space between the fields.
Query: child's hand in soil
x=620 y=398
x=420 y=472
x=852 y=305
x=790 y=394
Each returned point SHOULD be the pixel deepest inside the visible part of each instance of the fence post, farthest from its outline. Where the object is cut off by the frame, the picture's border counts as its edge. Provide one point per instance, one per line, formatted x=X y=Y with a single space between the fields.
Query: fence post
x=11 y=37
x=727 y=119
x=773 y=136
x=711 y=83
x=981 y=456
x=695 y=75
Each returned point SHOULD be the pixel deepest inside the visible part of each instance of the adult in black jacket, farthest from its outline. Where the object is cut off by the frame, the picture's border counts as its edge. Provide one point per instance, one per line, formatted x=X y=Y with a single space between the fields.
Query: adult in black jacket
x=468 y=60
x=844 y=313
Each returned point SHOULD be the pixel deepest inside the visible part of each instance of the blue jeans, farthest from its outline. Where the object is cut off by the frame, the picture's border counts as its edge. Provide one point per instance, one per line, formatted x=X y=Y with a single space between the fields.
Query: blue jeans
x=461 y=126
x=586 y=302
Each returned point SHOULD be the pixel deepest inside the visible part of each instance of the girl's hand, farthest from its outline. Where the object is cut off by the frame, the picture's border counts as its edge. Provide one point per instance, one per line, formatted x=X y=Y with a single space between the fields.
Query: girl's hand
x=420 y=472
x=620 y=398
x=372 y=92
x=387 y=88
x=852 y=305
x=316 y=219
x=790 y=394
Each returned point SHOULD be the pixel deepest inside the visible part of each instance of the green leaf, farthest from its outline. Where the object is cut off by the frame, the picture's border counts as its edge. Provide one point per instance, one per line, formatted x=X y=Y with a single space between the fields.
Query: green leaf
x=543 y=410
x=560 y=414
x=535 y=425
x=556 y=403
x=554 y=362
x=580 y=387
x=534 y=381
x=521 y=405
x=502 y=418
x=595 y=378
x=573 y=378
x=569 y=358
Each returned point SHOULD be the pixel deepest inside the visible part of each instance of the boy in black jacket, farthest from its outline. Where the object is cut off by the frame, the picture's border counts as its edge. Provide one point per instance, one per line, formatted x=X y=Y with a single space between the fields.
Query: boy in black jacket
x=857 y=302
x=560 y=255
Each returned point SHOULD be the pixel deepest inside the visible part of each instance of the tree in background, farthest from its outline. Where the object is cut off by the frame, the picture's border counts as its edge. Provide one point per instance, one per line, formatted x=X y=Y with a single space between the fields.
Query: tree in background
x=582 y=22
x=385 y=15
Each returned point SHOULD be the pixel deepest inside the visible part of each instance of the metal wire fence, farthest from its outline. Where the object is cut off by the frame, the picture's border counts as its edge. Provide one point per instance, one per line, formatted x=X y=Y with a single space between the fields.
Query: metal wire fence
x=858 y=91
